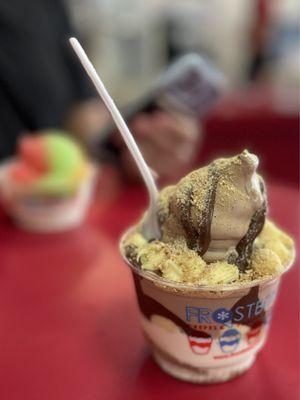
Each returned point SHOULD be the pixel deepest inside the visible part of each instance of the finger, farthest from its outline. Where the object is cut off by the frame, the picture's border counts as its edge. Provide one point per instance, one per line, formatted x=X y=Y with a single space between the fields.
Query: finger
x=162 y=134
x=166 y=138
x=168 y=166
x=165 y=163
x=183 y=128
x=154 y=174
x=146 y=128
x=141 y=125
x=163 y=145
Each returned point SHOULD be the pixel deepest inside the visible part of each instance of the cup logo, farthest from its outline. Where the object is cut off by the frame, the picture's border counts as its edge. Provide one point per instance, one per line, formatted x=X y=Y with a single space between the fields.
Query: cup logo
x=254 y=333
x=200 y=344
x=222 y=316
x=230 y=340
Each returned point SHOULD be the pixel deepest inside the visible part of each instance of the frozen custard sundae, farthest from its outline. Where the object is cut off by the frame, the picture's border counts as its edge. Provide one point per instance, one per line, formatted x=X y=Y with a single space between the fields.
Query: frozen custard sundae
x=207 y=285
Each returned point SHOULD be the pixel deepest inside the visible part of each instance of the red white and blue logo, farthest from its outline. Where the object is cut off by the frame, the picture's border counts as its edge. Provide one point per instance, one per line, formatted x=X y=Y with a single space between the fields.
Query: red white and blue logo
x=254 y=334
x=230 y=340
x=200 y=344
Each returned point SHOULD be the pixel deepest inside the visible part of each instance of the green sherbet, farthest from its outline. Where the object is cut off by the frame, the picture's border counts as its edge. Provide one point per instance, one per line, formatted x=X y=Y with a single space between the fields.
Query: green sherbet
x=64 y=154
x=65 y=160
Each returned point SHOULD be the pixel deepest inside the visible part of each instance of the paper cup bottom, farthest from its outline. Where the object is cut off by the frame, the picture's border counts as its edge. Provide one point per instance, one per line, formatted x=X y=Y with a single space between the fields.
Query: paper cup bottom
x=52 y=215
x=205 y=376
x=62 y=214
x=201 y=335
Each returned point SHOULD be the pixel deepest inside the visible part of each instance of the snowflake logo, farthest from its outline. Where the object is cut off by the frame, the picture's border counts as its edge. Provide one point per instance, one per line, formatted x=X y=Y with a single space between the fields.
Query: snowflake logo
x=222 y=315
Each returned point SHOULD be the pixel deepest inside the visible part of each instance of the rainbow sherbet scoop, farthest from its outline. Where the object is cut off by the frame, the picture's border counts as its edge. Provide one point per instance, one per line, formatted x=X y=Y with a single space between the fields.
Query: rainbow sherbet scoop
x=49 y=164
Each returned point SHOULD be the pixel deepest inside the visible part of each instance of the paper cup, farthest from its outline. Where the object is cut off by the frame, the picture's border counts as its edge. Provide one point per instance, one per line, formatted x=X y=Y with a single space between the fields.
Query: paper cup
x=204 y=334
x=47 y=214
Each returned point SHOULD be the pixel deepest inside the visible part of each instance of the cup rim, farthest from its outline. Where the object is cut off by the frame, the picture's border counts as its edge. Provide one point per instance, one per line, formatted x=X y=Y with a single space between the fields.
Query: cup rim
x=196 y=287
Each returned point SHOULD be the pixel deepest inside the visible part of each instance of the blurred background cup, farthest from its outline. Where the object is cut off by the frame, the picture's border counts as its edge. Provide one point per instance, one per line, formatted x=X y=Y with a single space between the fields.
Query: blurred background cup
x=36 y=213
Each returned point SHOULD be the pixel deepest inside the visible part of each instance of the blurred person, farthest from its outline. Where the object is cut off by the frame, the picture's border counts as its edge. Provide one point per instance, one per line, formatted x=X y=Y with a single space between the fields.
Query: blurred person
x=42 y=86
x=259 y=38
x=275 y=43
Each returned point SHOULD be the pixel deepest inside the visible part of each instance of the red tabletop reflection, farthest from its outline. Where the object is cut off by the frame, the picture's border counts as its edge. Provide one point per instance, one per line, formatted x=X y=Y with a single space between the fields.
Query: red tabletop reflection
x=69 y=321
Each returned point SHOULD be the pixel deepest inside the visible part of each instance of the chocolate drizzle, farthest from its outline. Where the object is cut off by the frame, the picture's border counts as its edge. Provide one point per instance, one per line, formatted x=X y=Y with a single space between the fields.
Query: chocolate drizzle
x=149 y=307
x=245 y=245
x=131 y=253
x=249 y=318
x=198 y=238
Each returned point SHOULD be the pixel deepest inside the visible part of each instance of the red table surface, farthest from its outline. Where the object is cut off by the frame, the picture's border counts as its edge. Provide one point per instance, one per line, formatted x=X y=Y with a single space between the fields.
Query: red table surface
x=69 y=325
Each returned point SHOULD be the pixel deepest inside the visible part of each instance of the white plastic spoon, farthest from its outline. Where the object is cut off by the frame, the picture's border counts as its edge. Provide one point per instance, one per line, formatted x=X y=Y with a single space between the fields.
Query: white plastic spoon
x=151 y=228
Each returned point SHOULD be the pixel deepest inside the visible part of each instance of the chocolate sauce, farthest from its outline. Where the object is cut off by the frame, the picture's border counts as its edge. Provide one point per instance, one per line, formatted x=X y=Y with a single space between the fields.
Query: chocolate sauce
x=131 y=254
x=149 y=307
x=262 y=187
x=198 y=238
x=244 y=246
x=250 y=318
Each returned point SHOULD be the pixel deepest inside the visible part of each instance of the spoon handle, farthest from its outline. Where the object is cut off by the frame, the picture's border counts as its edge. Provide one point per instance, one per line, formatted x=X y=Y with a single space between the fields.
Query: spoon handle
x=150 y=226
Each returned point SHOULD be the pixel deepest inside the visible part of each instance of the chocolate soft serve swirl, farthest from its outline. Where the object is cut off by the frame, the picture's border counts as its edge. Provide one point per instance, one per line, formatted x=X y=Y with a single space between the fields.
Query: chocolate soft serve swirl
x=218 y=210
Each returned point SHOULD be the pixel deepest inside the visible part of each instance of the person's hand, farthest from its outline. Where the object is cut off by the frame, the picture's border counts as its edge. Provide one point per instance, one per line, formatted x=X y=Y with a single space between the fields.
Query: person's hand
x=168 y=142
x=86 y=119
